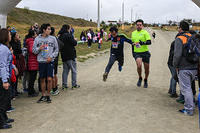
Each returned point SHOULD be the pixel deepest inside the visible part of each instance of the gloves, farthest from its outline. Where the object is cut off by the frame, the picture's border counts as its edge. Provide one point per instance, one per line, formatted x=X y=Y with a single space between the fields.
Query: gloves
x=141 y=43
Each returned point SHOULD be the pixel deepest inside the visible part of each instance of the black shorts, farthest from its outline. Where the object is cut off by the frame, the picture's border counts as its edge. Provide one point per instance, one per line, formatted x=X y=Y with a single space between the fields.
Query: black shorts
x=46 y=70
x=145 y=56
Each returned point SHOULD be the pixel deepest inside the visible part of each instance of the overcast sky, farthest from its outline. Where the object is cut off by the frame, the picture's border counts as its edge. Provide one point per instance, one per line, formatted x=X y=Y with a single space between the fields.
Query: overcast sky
x=149 y=10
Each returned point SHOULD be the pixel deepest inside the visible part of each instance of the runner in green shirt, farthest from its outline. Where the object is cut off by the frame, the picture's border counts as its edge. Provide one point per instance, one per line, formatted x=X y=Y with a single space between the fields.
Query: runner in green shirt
x=141 y=40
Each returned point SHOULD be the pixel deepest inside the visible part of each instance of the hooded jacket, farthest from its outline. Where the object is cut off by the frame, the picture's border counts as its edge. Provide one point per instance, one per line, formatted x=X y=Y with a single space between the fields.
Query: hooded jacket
x=68 y=52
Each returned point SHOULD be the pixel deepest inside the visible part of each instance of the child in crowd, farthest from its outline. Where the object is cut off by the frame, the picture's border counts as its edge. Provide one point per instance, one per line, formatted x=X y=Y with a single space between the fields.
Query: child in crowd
x=116 y=51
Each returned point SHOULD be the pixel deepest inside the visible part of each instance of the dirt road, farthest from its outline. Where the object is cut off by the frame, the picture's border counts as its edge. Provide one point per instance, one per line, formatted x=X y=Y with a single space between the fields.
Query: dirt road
x=117 y=106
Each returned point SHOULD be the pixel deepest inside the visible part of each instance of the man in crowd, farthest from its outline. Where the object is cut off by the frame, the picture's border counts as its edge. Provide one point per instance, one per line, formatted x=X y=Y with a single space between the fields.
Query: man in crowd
x=46 y=47
x=186 y=70
x=141 y=40
x=68 y=54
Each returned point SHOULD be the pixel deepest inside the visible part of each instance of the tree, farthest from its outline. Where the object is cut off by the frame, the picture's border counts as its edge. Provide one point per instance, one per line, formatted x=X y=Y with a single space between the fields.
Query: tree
x=102 y=23
x=170 y=22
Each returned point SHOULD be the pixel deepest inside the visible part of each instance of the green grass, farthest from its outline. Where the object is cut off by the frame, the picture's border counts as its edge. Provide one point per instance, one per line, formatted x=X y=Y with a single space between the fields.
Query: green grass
x=22 y=19
x=29 y=17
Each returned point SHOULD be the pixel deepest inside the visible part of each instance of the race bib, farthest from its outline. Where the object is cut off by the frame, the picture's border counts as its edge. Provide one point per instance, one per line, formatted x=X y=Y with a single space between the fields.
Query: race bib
x=115 y=44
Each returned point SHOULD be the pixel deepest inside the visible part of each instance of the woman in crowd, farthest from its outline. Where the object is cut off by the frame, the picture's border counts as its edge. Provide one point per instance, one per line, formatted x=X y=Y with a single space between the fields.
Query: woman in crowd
x=32 y=63
x=20 y=62
x=5 y=75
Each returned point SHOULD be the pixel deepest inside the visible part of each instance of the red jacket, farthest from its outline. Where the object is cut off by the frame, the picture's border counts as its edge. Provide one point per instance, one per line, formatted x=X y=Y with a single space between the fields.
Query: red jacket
x=13 y=76
x=32 y=58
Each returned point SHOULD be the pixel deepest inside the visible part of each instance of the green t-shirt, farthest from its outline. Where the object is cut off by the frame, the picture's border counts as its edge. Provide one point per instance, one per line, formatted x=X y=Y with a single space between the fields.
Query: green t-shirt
x=138 y=36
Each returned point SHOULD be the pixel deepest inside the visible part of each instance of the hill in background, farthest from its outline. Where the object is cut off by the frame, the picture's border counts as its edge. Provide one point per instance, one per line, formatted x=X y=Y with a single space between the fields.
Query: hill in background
x=25 y=16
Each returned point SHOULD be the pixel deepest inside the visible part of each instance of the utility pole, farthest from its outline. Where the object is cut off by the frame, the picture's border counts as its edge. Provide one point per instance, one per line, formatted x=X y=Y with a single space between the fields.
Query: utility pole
x=123 y=15
x=131 y=15
x=98 y=22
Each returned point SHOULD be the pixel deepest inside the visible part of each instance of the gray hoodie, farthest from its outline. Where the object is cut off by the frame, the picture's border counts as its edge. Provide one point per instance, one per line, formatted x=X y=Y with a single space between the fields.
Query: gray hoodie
x=50 y=48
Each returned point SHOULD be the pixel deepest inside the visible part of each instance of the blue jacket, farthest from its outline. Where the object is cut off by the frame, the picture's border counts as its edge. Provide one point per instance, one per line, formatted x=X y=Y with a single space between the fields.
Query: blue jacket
x=5 y=63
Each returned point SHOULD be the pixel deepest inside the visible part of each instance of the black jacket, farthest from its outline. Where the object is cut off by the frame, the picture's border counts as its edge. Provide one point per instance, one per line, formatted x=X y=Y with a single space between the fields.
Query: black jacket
x=171 y=54
x=68 y=52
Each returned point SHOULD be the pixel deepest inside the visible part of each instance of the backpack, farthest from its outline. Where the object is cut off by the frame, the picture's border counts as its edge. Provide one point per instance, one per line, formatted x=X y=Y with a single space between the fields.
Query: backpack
x=191 y=49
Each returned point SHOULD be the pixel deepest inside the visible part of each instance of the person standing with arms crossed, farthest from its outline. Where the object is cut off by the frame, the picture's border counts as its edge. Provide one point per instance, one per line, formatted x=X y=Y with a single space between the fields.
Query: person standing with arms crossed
x=141 y=40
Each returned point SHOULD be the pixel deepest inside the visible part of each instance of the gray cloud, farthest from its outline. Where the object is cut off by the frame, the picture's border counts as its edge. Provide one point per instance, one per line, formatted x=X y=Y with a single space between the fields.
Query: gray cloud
x=149 y=10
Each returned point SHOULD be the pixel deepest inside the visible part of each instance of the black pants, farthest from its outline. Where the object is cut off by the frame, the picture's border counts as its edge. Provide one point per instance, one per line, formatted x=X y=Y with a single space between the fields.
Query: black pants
x=4 y=103
x=32 y=78
x=89 y=42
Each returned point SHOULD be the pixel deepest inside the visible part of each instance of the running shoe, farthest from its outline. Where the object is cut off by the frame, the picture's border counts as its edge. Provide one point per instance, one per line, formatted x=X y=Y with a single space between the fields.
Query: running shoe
x=10 y=120
x=174 y=95
x=55 y=93
x=65 y=88
x=184 y=111
x=120 y=68
x=75 y=87
x=105 y=76
x=11 y=109
x=48 y=99
x=145 y=83
x=6 y=126
x=42 y=99
x=182 y=101
x=139 y=83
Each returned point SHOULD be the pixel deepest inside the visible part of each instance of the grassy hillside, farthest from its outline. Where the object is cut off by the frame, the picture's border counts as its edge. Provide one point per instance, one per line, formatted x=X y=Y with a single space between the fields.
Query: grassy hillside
x=29 y=17
x=22 y=19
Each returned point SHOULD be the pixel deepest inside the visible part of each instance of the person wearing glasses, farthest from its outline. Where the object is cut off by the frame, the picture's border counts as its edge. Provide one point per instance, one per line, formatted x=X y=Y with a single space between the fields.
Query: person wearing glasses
x=141 y=40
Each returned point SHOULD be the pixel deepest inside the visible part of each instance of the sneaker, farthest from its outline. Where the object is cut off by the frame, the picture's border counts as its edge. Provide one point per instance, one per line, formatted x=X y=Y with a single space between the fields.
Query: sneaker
x=139 y=83
x=105 y=76
x=120 y=68
x=65 y=88
x=174 y=95
x=55 y=93
x=145 y=83
x=48 y=99
x=182 y=101
x=75 y=87
x=184 y=111
x=13 y=98
x=170 y=91
x=10 y=120
x=42 y=99
x=6 y=126
x=10 y=110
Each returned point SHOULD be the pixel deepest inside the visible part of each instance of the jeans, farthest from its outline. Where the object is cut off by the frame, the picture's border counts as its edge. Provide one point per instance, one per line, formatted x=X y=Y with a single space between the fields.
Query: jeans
x=172 y=80
x=67 y=66
x=112 y=60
